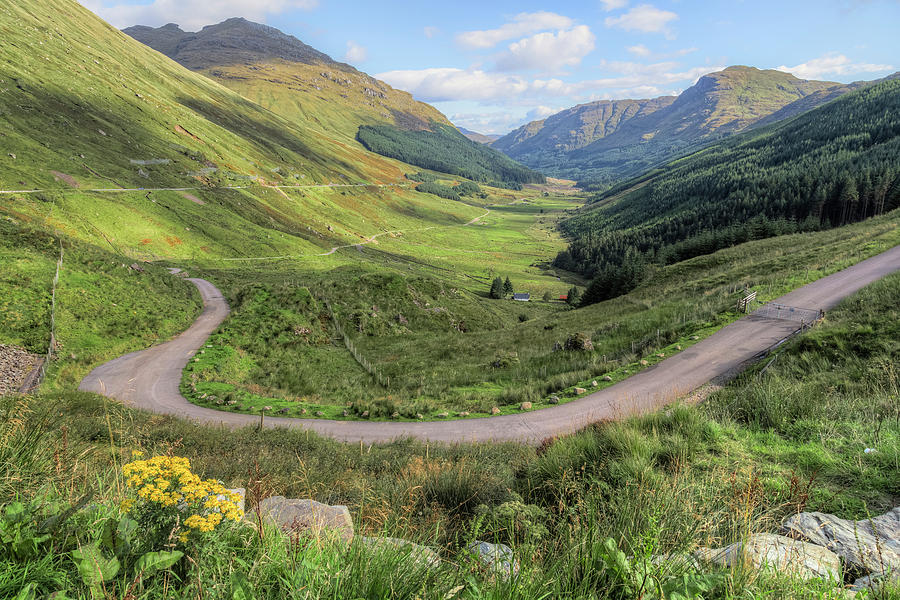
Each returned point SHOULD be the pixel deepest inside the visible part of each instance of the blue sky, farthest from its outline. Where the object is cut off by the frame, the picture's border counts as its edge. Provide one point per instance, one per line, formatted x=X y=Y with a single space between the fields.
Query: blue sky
x=493 y=65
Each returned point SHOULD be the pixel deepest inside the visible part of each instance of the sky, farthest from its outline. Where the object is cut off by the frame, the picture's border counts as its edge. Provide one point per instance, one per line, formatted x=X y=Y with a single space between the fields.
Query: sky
x=494 y=65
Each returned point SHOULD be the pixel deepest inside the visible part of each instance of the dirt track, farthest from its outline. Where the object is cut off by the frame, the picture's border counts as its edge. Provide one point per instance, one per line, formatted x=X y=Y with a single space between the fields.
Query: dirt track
x=149 y=379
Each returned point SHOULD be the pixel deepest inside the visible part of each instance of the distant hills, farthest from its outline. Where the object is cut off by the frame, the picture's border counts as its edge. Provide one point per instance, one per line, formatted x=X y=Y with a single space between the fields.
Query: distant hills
x=296 y=81
x=830 y=166
x=478 y=137
x=607 y=141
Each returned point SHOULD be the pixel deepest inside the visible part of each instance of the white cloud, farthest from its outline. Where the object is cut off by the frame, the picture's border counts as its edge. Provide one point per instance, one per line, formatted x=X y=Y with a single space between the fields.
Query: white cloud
x=355 y=53
x=610 y=5
x=192 y=15
x=639 y=50
x=541 y=112
x=645 y=18
x=438 y=85
x=548 y=51
x=628 y=80
x=522 y=24
x=832 y=64
x=430 y=31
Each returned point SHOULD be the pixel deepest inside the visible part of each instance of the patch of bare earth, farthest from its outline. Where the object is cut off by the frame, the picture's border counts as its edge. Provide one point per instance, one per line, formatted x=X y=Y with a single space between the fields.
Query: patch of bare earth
x=15 y=365
x=192 y=198
x=68 y=179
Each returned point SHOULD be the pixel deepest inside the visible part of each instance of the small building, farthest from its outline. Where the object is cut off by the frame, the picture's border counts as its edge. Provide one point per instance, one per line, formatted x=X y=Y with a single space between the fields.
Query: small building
x=522 y=297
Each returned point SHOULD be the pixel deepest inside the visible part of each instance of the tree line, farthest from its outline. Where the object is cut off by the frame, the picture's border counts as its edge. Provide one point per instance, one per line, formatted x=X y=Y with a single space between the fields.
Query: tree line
x=829 y=167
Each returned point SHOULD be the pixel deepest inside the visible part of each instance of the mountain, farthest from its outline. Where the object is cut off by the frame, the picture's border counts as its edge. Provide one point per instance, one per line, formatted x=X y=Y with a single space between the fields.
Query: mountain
x=478 y=137
x=281 y=73
x=830 y=166
x=288 y=77
x=611 y=140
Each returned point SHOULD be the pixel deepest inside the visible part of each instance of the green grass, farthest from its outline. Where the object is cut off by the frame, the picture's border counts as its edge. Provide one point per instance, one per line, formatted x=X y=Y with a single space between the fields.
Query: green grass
x=434 y=367
x=767 y=445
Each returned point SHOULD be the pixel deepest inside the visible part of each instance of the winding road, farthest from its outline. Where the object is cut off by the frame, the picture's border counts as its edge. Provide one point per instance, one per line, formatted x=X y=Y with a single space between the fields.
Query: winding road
x=149 y=379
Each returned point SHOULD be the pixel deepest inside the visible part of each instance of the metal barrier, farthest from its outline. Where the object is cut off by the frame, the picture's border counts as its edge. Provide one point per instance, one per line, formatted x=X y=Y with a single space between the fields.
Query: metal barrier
x=783 y=312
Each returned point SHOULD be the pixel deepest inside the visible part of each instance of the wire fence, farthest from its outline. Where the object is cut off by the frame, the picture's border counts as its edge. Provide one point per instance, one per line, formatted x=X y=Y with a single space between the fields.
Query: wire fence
x=351 y=347
x=34 y=381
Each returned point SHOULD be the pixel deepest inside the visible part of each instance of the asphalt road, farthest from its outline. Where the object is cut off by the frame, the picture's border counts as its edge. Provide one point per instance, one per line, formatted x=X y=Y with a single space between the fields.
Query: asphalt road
x=149 y=379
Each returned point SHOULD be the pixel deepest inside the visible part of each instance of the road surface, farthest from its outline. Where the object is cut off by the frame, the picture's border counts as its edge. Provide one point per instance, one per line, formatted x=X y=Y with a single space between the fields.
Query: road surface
x=149 y=379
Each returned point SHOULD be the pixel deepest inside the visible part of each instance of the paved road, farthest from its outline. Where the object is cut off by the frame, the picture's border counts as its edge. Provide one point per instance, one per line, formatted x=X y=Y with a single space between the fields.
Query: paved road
x=149 y=379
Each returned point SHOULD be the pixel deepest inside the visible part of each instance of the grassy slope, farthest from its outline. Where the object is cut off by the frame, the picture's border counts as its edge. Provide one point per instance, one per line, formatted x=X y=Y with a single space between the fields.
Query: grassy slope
x=433 y=366
x=764 y=447
x=73 y=86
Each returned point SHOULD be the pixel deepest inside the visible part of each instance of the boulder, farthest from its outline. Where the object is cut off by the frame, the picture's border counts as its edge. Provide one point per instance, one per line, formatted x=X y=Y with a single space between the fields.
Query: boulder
x=495 y=410
x=554 y=399
x=870 y=546
x=420 y=555
x=464 y=413
x=579 y=342
x=442 y=415
x=579 y=391
x=644 y=363
x=594 y=383
x=525 y=406
x=607 y=378
x=766 y=550
x=495 y=558
x=242 y=493
x=309 y=517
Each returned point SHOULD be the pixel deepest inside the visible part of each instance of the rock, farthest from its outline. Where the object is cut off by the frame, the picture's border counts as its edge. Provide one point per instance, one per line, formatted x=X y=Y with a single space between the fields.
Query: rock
x=443 y=415
x=283 y=411
x=695 y=337
x=136 y=267
x=365 y=414
x=12 y=156
x=554 y=399
x=420 y=416
x=495 y=410
x=870 y=583
x=525 y=406
x=767 y=550
x=319 y=413
x=395 y=415
x=308 y=516
x=463 y=414
x=871 y=545
x=420 y=555
x=607 y=378
x=346 y=413
x=242 y=493
x=302 y=411
x=660 y=355
x=594 y=383
x=678 y=347
x=579 y=391
x=579 y=342
x=495 y=558
x=644 y=363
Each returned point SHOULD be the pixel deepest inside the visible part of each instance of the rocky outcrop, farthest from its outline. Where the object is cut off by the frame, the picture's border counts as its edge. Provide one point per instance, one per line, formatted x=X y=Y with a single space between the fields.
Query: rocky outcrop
x=868 y=546
x=770 y=551
x=15 y=365
x=497 y=559
x=308 y=517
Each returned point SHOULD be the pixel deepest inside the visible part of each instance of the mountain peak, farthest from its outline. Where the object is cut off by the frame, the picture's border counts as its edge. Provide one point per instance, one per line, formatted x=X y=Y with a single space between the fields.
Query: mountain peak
x=233 y=41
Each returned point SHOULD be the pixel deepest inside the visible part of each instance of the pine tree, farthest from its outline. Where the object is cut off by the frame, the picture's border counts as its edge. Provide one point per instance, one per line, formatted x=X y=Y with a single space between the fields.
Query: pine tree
x=497 y=288
x=507 y=286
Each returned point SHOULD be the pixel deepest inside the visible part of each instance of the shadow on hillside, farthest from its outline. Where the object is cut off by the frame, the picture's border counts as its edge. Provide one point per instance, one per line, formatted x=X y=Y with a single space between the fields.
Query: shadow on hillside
x=251 y=125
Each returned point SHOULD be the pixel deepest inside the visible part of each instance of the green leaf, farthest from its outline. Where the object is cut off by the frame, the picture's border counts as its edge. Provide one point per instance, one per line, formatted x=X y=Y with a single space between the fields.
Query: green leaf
x=93 y=567
x=157 y=561
x=27 y=592
x=240 y=587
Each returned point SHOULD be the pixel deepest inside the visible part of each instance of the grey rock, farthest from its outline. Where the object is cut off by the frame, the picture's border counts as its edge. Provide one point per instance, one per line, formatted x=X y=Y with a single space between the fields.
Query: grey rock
x=495 y=558
x=871 y=545
x=308 y=516
x=443 y=415
x=767 y=550
x=579 y=391
x=242 y=493
x=421 y=555
x=319 y=413
x=594 y=383
x=607 y=378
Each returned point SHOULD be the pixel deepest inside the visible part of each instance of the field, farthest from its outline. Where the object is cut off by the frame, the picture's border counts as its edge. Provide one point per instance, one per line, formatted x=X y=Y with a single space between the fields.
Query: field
x=766 y=446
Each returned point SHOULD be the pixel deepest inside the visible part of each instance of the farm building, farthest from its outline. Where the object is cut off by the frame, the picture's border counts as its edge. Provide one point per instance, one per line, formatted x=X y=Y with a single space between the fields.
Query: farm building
x=522 y=297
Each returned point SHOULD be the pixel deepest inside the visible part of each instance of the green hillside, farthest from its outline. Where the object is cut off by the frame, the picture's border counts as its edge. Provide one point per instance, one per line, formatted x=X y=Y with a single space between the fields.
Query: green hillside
x=288 y=77
x=605 y=142
x=828 y=167
x=443 y=148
